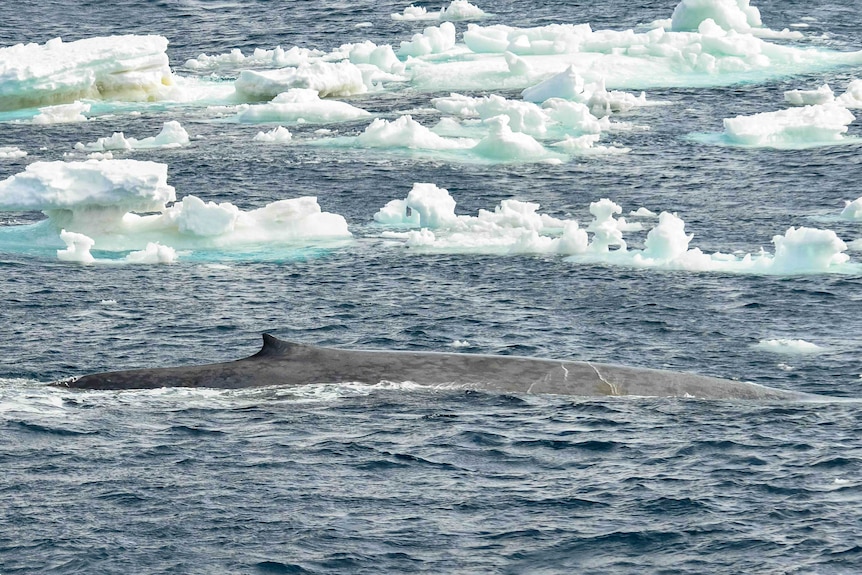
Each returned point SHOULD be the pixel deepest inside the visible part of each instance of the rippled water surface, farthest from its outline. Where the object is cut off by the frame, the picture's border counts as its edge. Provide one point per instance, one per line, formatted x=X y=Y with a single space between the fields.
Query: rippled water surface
x=352 y=479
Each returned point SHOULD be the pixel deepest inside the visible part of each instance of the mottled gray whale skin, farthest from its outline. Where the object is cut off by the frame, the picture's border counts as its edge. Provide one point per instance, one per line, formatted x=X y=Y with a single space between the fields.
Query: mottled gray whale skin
x=291 y=364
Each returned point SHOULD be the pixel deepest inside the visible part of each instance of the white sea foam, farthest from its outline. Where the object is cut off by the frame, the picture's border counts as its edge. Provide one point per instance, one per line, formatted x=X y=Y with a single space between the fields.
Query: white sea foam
x=517 y=227
x=172 y=135
x=789 y=346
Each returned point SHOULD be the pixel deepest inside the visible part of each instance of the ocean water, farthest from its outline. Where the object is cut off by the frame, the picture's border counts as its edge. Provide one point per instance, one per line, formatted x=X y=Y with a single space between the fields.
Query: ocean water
x=391 y=478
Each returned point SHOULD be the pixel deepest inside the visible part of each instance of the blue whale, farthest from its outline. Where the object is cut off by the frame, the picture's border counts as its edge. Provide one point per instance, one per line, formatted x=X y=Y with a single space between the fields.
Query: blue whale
x=291 y=364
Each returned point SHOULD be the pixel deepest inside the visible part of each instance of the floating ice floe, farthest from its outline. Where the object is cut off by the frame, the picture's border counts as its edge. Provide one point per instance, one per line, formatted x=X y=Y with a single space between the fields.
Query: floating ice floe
x=569 y=85
x=326 y=78
x=277 y=58
x=793 y=128
x=300 y=106
x=78 y=248
x=173 y=135
x=405 y=132
x=456 y=11
x=11 y=153
x=853 y=210
x=789 y=346
x=556 y=118
x=517 y=227
x=433 y=40
x=493 y=129
x=706 y=43
x=277 y=135
x=117 y=67
x=852 y=98
x=62 y=114
x=491 y=140
x=121 y=205
x=731 y=15
x=704 y=54
x=822 y=95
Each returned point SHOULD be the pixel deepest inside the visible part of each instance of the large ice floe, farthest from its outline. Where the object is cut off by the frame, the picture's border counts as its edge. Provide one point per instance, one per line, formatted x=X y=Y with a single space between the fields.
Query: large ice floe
x=704 y=43
x=426 y=221
x=495 y=129
x=793 y=128
x=122 y=205
x=57 y=72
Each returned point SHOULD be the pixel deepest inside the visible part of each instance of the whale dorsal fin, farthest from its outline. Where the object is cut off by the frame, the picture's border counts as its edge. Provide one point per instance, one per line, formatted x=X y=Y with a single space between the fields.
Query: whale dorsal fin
x=272 y=346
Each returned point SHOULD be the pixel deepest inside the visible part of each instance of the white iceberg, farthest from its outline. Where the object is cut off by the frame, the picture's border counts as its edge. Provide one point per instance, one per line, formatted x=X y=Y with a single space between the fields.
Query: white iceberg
x=172 y=135
x=300 y=106
x=326 y=78
x=127 y=67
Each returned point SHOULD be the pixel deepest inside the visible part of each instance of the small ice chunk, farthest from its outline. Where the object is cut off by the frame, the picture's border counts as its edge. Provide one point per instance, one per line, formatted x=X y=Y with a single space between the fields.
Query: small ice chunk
x=801 y=126
x=62 y=114
x=737 y=15
x=822 y=95
x=852 y=98
x=503 y=144
x=77 y=248
x=154 y=253
x=789 y=346
x=808 y=250
x=173 y=135
x=413 y=13
x=326 y=78
x=277 y=135
x=643 y=212
x=11 y=153
x=405 y=132
x=300 y=105
x=456 y=11
x=433 y=40
x=853 y=210
x=461 y=10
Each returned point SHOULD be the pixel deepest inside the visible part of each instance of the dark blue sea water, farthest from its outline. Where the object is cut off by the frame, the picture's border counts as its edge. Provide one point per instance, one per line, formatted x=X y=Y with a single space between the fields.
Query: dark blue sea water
x=394 y=479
